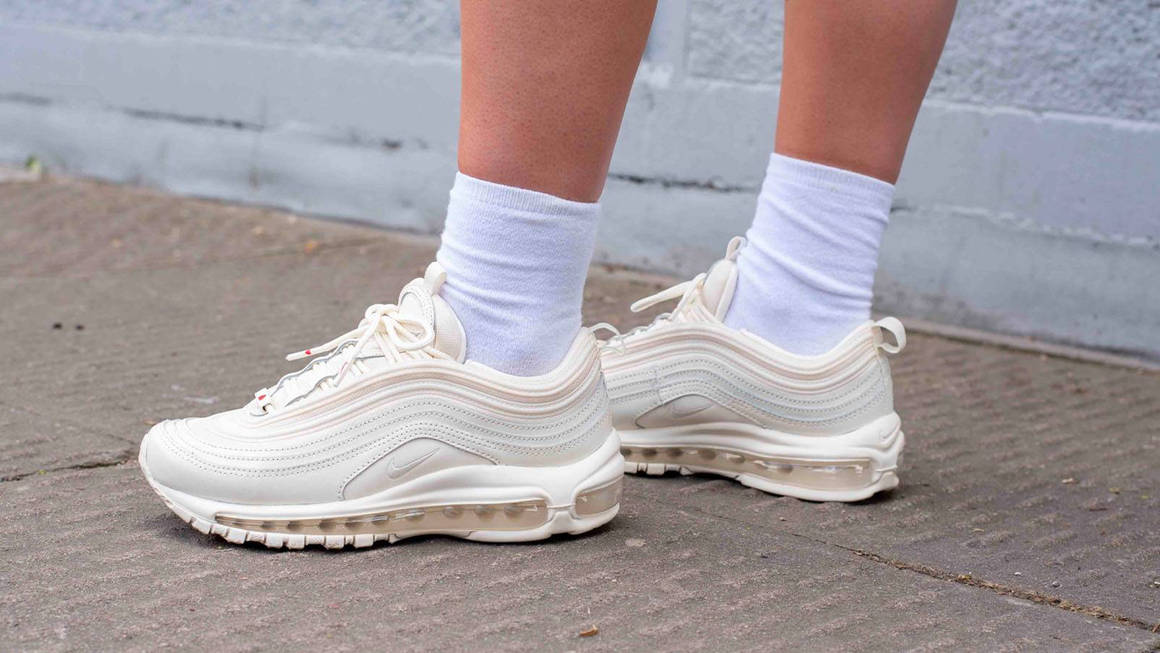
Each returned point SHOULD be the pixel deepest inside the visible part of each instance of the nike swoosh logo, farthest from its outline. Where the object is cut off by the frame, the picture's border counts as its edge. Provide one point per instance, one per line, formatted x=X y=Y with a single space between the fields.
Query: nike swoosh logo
x=679 y=409
x=395 y=470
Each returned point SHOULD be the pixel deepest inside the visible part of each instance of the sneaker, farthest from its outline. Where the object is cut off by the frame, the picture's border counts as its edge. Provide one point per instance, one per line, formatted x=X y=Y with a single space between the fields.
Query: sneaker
x=389 y=433
x=690 y=394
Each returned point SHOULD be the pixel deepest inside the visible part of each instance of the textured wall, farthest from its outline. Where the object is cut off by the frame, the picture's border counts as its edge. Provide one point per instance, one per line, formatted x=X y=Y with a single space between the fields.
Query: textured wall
x=1084 y=57
x=427 y=26
x=1028 y=203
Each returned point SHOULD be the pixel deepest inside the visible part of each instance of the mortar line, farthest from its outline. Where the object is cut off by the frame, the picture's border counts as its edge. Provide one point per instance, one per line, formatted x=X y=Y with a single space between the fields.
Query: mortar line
x=674 y=182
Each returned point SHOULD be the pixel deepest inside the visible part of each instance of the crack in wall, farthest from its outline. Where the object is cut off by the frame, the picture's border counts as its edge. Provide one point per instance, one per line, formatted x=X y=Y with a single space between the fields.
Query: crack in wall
x=24 y=98
x=144 y=114
x=197 y=121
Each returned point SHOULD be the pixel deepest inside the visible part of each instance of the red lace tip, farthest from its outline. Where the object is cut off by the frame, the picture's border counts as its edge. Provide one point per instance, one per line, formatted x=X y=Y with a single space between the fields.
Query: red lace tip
x=307 y=352
x=261 y=397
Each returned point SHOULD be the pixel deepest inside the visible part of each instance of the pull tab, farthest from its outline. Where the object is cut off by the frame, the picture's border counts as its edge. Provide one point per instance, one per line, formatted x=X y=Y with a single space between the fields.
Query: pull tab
x=434 y=277
x=735 y=245
x=894 y=327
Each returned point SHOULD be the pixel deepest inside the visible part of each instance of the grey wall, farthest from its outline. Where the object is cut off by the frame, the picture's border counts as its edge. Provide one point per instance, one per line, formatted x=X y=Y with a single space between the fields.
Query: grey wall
x=1029 y=202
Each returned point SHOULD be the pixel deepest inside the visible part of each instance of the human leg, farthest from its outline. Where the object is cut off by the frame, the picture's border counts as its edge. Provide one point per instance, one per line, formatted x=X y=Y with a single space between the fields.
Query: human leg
x=544 y=89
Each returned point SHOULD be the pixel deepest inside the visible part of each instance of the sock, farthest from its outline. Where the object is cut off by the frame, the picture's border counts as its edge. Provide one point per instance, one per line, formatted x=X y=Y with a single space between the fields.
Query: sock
x=806 y=276
x=516 y=261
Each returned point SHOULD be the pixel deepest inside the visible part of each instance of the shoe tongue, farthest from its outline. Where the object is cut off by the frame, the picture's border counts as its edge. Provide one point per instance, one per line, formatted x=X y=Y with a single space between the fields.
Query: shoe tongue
x=721 y=282
x=420 y=300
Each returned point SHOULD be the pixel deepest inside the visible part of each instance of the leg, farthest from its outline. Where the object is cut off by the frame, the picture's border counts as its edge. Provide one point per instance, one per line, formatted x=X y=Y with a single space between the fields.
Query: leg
x=544 y=86
x=805 y=409
x=544 y=89
x=853 y=79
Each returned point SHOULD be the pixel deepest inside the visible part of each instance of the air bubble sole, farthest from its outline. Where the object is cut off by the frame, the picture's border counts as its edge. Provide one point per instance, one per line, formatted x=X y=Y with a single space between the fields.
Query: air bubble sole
x=837 y=468
x=517 y=520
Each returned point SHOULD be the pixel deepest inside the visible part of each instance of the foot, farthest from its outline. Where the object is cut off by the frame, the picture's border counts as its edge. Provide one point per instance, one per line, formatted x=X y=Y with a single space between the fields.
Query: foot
x=388 y=433
x=690 y=394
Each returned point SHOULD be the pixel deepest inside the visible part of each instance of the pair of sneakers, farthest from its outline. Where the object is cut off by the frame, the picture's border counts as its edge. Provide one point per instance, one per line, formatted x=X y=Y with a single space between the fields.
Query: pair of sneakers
x=389 y=432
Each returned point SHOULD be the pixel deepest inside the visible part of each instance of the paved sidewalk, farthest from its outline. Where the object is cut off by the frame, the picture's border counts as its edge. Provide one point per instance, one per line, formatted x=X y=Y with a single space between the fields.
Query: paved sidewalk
x=1028 y=518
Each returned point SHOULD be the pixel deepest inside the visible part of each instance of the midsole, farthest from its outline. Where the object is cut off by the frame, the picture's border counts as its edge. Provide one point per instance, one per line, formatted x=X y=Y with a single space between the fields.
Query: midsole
x=878 y=441
x=472 y=497
x=507 y=516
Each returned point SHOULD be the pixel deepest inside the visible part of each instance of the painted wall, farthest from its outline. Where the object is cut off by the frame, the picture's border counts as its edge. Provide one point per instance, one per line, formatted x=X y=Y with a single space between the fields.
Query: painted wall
x=1029 y=203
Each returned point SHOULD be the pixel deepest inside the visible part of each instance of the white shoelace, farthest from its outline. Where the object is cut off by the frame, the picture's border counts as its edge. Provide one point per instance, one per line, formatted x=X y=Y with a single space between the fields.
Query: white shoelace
x=685 y=290
x=396 y=335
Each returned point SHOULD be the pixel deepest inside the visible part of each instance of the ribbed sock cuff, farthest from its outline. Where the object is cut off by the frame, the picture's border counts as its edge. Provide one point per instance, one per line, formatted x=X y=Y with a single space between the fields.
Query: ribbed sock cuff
x=511 y=198
x=817 y=177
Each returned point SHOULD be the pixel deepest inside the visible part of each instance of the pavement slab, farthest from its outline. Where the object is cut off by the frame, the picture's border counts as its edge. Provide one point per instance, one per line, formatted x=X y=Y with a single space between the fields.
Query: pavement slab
x=1027 y=517
x=36 y=444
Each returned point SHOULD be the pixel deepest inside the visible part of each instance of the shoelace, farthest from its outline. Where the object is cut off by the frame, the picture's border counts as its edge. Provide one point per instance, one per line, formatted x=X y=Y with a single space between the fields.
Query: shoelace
x=685 y=290
x=395 y=334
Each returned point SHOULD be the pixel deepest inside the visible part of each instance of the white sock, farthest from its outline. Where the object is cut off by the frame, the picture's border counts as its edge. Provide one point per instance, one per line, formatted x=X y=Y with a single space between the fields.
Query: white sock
x=806 y=276
x=516 y=261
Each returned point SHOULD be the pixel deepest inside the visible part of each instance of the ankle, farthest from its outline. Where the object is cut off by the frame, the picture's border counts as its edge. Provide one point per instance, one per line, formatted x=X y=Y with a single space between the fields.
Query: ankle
x=516 y=261
x=806 y=277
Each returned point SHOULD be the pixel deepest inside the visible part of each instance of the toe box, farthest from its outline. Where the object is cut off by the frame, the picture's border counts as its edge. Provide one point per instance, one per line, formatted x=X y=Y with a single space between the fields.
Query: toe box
x=165 y=463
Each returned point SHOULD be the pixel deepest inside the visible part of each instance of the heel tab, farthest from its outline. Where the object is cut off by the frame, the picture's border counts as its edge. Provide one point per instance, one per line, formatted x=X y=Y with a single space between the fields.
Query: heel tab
x=434 y=277
x=893 y=326
x=735 y=245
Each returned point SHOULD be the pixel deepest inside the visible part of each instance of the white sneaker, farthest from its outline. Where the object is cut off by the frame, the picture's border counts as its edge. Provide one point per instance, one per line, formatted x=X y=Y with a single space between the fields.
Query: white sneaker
x=391 y=434
x=690 y=394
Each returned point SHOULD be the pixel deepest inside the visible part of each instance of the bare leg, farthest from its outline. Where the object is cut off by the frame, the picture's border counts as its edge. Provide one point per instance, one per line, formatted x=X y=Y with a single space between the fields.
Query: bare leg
x=853 y=77
x=544 y=88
